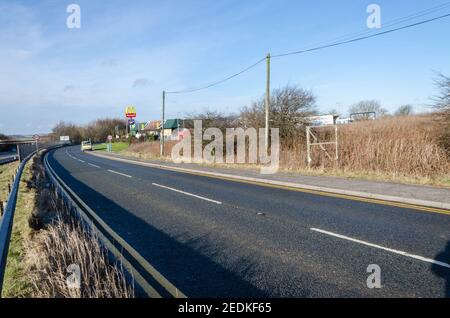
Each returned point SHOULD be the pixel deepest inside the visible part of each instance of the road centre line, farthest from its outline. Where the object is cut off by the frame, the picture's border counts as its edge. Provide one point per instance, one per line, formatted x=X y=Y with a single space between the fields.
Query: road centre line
x=417 y=257
x=91 y=164
x=119 y=173
x=187 y=193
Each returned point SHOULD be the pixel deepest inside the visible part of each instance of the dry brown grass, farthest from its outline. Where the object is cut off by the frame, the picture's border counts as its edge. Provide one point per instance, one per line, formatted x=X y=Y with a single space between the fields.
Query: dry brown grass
x=151 y=149
x=66 y=242
x=6 y=172
x=401 y=148
x=46 y=240
x=397 y=146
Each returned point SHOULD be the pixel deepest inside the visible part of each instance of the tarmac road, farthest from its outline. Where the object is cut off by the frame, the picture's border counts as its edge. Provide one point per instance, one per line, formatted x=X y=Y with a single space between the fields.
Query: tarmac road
x=220 y=238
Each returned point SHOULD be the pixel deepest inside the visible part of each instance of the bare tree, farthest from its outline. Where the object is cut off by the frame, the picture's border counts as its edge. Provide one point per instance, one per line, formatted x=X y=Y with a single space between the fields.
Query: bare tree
x=367 y=106
x=442 y=104
x=97 y=130
x=75 y=132
x=442 y=100
x=212 y=118
x=4 y=147
x=404 y=110
x=333 y=111
x=289 y=108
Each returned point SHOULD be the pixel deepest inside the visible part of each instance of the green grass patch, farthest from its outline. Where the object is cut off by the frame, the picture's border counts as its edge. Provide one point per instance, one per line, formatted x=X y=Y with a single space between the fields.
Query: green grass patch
x=116 y=146
x=6 y=172
x=15 y=282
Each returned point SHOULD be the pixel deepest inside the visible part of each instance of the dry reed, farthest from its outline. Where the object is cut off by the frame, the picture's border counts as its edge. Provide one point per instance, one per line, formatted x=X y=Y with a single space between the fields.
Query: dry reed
x=401 y=146
x=58 y=241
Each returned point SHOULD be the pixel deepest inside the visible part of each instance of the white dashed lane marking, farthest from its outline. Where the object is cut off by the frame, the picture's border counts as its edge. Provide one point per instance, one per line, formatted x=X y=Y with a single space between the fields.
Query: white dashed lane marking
x=418 y=257
x=120 y=173
x=187 y=193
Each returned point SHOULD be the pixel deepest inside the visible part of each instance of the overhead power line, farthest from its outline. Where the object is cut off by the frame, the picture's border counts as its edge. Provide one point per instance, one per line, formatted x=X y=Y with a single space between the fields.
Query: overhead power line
x=218 y=82
x=385 y=25
x=362 y=38
x=334 y=44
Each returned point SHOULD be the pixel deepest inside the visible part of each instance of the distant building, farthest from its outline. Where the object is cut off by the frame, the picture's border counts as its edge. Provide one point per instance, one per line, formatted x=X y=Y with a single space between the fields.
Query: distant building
x=152 y=128
x=141 y=126
x=343 y=121
x=171 y=127
x=322 y=120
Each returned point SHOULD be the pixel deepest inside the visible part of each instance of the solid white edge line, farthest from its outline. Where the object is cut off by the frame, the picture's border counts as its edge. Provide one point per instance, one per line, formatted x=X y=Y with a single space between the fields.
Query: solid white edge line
x=119 y=173
x=91 y=164
x=418 y=257
x=187 y=193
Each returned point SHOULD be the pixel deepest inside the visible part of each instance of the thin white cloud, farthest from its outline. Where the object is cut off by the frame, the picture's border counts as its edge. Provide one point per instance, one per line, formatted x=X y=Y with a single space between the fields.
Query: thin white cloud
x=141 y=82
x=69 y=88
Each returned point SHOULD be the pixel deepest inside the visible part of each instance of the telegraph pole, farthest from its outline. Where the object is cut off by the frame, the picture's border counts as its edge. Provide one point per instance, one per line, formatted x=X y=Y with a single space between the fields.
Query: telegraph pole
x=267 y=102
x=161 y=134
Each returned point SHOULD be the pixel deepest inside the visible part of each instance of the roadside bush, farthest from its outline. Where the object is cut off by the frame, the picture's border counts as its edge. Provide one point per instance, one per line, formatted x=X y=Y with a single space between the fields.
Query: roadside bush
x=442 y=104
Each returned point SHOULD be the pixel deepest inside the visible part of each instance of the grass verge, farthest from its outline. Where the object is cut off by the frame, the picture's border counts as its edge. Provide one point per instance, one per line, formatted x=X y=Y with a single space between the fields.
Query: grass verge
x=15 y=282
x=6 y=172
x=116 y=146
x=46 y=241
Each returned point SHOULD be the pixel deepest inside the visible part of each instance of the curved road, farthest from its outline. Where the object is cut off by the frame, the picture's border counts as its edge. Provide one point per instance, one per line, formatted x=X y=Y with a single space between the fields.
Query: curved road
x=219 y=238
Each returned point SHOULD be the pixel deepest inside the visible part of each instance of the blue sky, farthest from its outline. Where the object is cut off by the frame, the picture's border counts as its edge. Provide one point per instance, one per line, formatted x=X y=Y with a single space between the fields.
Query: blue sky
x=127 y=52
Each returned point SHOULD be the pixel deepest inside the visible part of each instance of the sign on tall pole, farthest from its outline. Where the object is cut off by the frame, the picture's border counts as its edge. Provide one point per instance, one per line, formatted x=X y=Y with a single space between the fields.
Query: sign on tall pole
x=130 y=113
x=161 y=134
x=36 y=138
x=267 y=103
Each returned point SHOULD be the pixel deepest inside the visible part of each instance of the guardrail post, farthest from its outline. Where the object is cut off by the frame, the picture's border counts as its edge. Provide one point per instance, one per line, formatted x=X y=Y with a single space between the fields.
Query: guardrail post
x=2 y=208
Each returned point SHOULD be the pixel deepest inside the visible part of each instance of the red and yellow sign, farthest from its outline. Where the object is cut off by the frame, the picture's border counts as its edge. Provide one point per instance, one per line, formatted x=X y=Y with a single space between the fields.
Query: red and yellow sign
x=130 y=112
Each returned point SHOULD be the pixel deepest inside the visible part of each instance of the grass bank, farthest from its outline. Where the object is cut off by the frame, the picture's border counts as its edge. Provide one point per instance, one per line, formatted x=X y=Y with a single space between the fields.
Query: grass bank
x=47 y=241
x=6 y=172
x=16 y=283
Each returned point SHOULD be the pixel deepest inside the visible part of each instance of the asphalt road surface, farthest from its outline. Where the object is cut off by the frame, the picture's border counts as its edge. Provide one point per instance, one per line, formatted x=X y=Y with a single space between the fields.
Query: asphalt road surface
x=6 y=157
x=219 y=238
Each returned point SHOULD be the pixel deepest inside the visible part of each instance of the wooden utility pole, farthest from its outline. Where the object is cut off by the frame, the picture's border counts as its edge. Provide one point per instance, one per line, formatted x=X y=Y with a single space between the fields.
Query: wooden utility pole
x=161 y=134
x=267 y=102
